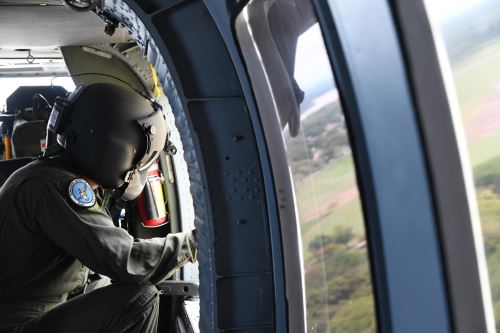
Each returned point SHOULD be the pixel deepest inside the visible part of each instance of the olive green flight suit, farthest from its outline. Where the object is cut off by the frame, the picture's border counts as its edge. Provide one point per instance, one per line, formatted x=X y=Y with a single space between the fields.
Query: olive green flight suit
x=46 y=244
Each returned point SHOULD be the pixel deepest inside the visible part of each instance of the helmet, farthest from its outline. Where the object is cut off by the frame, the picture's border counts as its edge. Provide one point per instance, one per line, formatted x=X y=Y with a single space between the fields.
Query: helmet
x=112 y=133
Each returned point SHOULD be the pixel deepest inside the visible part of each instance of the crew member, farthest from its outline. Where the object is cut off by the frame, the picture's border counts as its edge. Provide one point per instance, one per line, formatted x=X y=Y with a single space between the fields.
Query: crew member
x=54 y=225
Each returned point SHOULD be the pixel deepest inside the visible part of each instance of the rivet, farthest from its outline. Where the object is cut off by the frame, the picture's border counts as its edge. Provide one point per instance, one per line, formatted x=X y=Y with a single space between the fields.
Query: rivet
x=237 y=137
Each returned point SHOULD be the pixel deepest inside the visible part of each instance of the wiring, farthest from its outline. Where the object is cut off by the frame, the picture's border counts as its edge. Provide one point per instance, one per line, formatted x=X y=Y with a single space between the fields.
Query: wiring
x=44 y=99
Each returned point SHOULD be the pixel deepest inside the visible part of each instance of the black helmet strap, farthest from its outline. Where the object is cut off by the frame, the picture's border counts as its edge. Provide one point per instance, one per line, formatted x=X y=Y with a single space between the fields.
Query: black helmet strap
x=59 y=115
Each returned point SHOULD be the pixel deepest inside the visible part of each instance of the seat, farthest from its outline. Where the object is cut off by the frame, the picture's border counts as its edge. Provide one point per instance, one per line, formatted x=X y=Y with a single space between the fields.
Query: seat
x=28 y=138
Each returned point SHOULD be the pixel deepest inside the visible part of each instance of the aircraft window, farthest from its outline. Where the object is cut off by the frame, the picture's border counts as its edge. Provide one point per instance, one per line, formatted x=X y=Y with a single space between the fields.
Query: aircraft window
x=338 y=288
x=470 y=30
x=9 y=85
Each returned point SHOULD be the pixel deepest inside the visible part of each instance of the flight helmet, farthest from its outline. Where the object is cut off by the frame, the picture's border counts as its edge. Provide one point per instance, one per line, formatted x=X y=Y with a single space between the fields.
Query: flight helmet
x=112 y=133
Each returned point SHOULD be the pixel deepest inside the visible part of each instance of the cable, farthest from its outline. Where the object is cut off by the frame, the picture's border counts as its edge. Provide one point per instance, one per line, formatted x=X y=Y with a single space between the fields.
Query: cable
x=54 y=88
x=52 y=83
x=45 y=100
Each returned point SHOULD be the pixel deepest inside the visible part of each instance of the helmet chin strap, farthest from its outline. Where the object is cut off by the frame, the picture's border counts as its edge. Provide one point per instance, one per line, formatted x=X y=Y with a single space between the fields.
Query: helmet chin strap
x=134 y=184
x=135 y=178
x=129 y=176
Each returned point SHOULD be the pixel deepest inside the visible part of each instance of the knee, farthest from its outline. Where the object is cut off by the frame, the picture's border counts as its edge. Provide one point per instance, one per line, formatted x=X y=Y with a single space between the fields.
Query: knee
x=146 y=294
x=137 y=295
x=148 y=291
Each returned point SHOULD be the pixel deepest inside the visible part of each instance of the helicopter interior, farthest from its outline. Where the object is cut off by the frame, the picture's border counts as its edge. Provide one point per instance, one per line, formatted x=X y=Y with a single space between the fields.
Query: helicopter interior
x=320 y=159
x=45 y=40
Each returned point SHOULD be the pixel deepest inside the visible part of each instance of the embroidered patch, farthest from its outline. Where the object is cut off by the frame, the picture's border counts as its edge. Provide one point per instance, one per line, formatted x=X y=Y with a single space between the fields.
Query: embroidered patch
x=81 y=193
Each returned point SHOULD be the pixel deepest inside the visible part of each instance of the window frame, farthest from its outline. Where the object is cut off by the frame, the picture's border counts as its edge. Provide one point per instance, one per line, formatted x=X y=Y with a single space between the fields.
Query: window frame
x=363 y=57
x=444 y=139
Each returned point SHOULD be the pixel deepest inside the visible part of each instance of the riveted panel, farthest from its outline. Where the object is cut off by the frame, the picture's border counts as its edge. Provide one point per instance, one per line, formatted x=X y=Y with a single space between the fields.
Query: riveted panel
x=202 y=61
x=235 y=184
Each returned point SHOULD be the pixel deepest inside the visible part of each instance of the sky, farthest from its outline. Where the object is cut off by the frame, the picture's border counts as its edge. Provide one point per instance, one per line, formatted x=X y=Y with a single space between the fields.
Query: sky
x=311 y=60
x=8 y=85
x=445 y=9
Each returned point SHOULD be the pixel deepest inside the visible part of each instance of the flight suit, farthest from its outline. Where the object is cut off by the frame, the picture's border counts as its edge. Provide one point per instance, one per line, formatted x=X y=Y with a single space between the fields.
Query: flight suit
x=46 y=244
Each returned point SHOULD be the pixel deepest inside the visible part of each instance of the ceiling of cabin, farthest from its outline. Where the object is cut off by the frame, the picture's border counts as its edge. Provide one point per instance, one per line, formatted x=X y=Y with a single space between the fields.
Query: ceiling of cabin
x=42 y=27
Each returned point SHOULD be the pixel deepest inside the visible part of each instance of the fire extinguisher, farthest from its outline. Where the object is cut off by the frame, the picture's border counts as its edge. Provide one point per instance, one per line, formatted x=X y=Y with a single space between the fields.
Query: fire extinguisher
x=151 y=203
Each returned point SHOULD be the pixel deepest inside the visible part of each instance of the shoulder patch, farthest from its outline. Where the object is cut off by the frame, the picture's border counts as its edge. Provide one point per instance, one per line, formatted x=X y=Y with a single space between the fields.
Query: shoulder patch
x=81 y=193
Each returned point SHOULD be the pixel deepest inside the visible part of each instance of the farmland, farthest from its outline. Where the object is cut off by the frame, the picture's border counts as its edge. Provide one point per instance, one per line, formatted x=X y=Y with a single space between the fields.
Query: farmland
x=338 y=287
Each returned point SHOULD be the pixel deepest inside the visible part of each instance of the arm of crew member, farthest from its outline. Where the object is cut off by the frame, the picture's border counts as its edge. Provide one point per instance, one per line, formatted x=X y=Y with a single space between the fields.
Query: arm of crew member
x=90 y=236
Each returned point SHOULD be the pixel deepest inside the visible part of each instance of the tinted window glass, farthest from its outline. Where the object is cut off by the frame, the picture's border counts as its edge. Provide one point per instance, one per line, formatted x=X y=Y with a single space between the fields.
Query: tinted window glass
x=297 y=74
x=470 y=30
x=338 y=287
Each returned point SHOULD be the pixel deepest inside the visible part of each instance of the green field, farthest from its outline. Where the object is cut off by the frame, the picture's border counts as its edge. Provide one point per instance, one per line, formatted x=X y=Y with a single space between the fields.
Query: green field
x=475 y=78
x=484 y=149
x=320 y=187
x=338 y=287
x=489 y=207
x=349 y=216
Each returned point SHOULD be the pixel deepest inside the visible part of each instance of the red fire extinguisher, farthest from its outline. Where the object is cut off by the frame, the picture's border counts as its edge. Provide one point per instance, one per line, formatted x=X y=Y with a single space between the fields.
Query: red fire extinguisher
x=151 y=203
